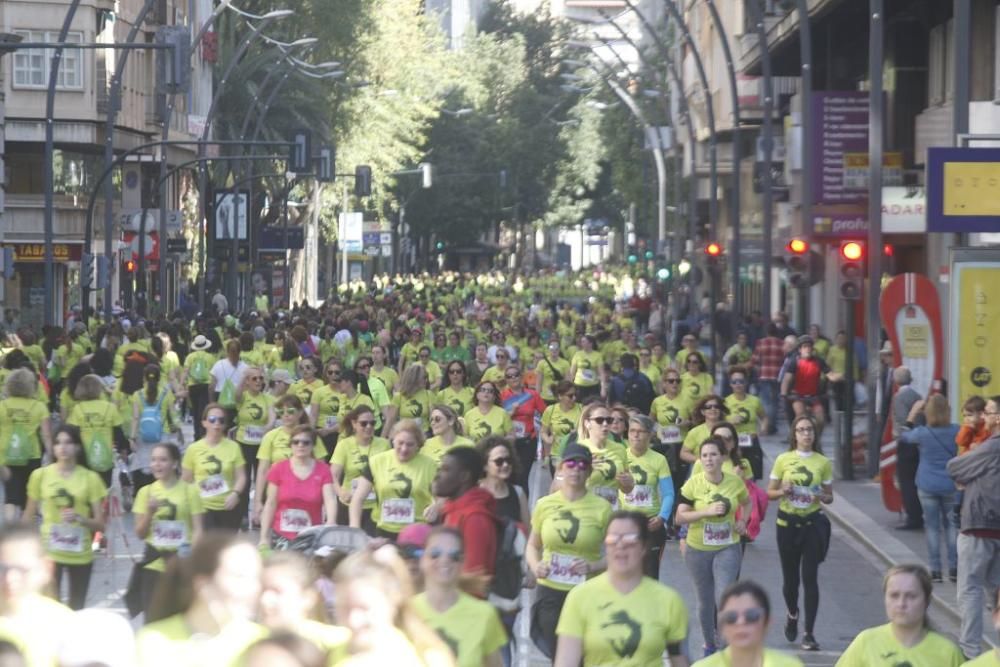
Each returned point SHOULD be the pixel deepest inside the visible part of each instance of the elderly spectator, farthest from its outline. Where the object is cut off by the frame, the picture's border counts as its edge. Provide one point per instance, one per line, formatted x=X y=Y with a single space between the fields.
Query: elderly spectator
x=907 y=452
x=979 y=538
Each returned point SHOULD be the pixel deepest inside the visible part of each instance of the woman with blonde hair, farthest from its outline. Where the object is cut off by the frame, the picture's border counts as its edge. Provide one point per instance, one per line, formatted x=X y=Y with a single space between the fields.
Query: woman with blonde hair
x=25 y=433
x=100 y=422
x=373 y=602
x=448 y=433
x=412 y=401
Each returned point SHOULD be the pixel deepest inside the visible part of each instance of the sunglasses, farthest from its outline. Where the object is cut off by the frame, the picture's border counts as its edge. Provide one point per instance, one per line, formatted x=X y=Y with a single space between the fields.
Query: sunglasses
x=454 y=555
x=570 y=395
x=215 y=419
x=363 y=367
x=456 y=371
x=734 y=381
x=286 y=412
x=512 y=376
x=302 y=441
x=366 y=424
x=437 y=419
x=410 y=552
x=713 y=406
x=334 y=374
x=601 y=420
x=617 y=420
x=672 y=381
x=625 y=540
x=256 y=379
x=749 y=616
x=574 y=464
x=501 y=461
x=488 y=390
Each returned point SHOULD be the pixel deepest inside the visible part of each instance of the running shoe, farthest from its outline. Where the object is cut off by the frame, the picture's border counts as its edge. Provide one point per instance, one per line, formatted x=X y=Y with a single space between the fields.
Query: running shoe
x=809 y=642
x=791 y=627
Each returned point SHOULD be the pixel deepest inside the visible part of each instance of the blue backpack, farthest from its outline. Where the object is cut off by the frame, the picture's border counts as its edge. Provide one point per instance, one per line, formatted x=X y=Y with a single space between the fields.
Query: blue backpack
x=151 y=420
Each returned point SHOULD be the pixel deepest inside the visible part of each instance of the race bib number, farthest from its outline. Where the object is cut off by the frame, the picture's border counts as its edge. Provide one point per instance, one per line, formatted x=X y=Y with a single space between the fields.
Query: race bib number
x=520 y=430
x=801 y=497
x=253 y=434
x=398 y=510
x=169 y=534
x=587 y=375
x=746 y=440
x=641 y=496
x=561 y=570
x=607 y=493
x=330 y=422
x=66 y=537
x=718 y=534
x=212 y=486
x=294 y=521
x=670 y=435
x=354 y=486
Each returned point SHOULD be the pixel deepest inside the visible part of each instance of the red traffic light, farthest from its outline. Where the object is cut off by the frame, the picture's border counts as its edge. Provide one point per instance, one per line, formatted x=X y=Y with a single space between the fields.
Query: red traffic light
x=888 y=250
x=852 y=250
x=129 y=266
x=798 y=246
x=713 y=249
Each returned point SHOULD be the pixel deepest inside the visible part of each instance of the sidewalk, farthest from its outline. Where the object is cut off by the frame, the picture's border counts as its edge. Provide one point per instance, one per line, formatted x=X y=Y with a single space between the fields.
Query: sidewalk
x=858 y=510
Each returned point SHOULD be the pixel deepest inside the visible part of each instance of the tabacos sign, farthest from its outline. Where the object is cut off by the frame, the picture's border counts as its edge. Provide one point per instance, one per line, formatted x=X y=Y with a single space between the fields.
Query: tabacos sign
x=35 y=252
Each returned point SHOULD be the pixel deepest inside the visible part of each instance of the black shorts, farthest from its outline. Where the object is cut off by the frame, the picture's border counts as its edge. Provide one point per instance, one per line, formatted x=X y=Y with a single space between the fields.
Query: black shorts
x=16 y=488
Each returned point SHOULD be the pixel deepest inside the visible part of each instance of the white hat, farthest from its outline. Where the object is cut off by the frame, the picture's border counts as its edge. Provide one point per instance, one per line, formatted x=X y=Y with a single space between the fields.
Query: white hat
x=281 y=375
x=200 y=343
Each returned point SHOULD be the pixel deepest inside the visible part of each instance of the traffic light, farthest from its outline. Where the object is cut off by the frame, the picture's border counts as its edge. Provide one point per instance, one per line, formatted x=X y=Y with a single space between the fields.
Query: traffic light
x=713 y=251
x=852 y=270
x=173 y=65
x=649 y=255
x=362 y=181
x=663 y=274
x=103 y=272
x=326 y=165
x=129 y=266
x=632 y=259
x=87 y=270
x=300 y=159
x=427 y=174
x=805 y=265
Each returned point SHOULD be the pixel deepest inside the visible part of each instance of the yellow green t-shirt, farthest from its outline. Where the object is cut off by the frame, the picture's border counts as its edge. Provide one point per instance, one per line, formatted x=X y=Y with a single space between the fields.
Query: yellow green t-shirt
x=471 y=628
x=277 y=446
x=666 y=411
x=305 y=390
x=169 y=643
x=388 y=376
x=547 y=369
x=495 y=422
x=172 y=525
x=353 y=458
x=433 y=373
x=807 y=473
x=435 y=448
x=402 y=489
x=416 y=407
x=20 y=421
x=97 y=420
x=988 y=659
x=561 y=423
x=697 y=435
x=653 y=373
x=570 y=530
x=348 y=404
x=609 y=462
x=199 y=367
x=460 y=401
x=214 y=470
x=696 y=387
x=750 y=409
x=647 y=470
x=715 y=533
x=878 y=647
x=588 y=368
x=66 y=543
x=252 y=418
x=746 y=471
x=494 y=374
x=626 y=630
x=410 y=352
x=772 y=658
x=328 y=402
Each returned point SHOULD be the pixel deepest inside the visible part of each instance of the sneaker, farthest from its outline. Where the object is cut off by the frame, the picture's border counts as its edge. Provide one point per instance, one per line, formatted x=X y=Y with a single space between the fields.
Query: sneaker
x=936 y=577
x=791 y=627
x=809 y=642
x=953 y=575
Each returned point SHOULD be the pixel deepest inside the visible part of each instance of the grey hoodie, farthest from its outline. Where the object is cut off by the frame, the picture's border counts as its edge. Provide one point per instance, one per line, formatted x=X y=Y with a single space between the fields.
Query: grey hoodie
x=979 y=472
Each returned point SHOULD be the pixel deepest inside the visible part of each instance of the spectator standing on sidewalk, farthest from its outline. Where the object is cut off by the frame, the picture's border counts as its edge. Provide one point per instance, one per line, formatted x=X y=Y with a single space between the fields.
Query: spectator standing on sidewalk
x=768 y=356
x=979 y=539
x=935 y=443
x=974 y=430
x=907 y=452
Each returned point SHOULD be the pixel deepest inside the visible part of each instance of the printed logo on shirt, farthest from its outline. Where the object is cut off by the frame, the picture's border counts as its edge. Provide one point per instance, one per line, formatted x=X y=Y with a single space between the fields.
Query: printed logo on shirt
x=639 y=474
x=256 y=412
x=482 y=430
x=606 y=466
x=405 y=484
x=744 y=414
x=64 y=499
x=726 y=502
x=805 y=474
x=449 y=640
x=213 y=466
x=572 y=530
x=625 y=646
x=414 y=408
x=166 y=511
x=672 y=414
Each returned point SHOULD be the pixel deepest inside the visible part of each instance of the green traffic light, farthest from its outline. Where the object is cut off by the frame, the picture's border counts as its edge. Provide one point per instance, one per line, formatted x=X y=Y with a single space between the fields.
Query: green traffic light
x=649 y=254
x=663 y=274
x=440 y=245
x=632 y=259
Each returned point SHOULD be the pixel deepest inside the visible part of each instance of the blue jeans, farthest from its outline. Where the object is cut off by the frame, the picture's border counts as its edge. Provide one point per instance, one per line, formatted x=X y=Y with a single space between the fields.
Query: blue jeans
x=940 y=508
x=768 y=392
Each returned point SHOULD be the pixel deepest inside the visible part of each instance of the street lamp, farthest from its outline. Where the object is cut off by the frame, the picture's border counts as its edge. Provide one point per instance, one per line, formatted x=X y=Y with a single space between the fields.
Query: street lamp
x=458 y=113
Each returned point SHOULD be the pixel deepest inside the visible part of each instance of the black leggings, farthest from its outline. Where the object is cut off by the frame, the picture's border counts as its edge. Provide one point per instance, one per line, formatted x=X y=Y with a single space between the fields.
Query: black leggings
x=230 y=520
x=651 y=561
x=199 y=398
x=800 y=549
x=545 y=617
x=79 y=582
x=526 y=449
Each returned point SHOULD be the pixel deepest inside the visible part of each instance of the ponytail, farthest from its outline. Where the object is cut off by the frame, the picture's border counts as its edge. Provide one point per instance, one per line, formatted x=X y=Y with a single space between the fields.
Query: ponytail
x=152 y=377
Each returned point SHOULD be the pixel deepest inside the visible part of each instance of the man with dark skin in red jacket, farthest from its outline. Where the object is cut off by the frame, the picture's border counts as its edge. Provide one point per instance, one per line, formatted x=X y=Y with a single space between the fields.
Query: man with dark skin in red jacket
x=468 y=507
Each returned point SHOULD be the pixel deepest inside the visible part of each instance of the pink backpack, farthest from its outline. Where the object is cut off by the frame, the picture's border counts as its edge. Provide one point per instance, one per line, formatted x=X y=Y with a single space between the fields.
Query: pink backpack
x=758 y=509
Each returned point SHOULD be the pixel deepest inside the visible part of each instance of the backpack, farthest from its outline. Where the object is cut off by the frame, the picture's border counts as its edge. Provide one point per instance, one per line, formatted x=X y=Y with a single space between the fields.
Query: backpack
x=151 y=420
x=509 y=570
x=638 y=394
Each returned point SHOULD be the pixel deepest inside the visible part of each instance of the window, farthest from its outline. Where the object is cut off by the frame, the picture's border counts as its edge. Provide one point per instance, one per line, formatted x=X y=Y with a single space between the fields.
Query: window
x=31 y=66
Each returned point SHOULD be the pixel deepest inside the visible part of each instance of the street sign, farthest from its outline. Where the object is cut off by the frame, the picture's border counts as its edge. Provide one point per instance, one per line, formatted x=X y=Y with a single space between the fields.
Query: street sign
x=385 y=238
x=371 y=238
x=371 y=250
x=963 y=190
x=272 y=237
x=130 y=220
x=387 y=251
x=351 y=231
x=177 y=246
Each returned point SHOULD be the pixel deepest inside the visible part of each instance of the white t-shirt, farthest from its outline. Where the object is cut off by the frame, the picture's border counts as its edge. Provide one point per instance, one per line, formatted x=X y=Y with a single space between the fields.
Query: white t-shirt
x=223 y=370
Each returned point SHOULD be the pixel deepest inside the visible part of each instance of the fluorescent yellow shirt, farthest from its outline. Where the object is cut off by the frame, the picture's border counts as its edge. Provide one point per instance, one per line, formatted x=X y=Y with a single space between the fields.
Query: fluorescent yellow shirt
x=460 y=401
x=66 y=543
x=416 y=407
x=696 y=387
x=570 y=530
x=471 y=628
x=388 y=376
x=20 y=421
x=772 y=658
x=402 y=489
x=31 y=629
x=807 y=475
x=878 y=647
x=252 y=418
x=435 y=448
x=304 y=390
x=666 y=412
x=551 y=372
x=608 y=463
x=328 y=402
x=715 y=533
x=277 y=446
x=630 y=630
x=169 y=643
x=647 y=471
x=588 y=368
x=97 y=420
x=353 y=460
x=214 y=470
x=172 y=524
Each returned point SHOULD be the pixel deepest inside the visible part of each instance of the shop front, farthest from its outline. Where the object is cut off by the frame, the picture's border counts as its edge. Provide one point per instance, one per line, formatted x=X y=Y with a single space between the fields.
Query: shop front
x=24 y=302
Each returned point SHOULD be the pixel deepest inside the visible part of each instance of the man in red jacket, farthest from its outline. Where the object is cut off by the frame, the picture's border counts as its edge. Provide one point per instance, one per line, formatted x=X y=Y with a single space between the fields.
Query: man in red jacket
x=468 y=507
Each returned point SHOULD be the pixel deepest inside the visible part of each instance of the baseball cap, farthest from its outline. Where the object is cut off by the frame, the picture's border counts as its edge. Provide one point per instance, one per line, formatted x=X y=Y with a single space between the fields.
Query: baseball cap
x=412 y=540
x=577 y=452
x=805 y=340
